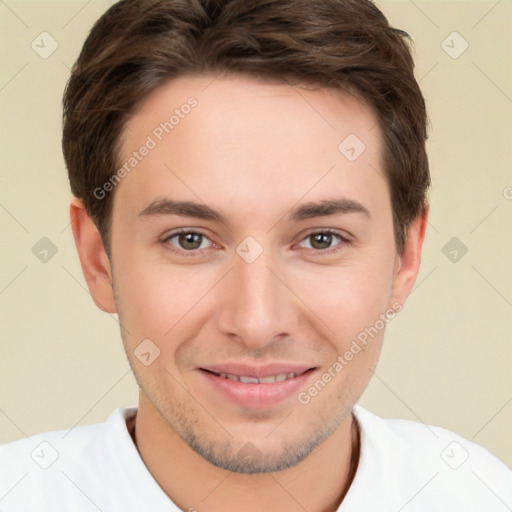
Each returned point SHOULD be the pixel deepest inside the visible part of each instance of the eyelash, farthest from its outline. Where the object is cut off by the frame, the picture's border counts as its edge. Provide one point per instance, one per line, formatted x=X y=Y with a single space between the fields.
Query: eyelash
x=198 y=252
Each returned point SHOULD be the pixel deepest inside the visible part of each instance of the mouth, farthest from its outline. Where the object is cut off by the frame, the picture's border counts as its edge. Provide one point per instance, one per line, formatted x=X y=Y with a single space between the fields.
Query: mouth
x=256 y=388
x=246 y=379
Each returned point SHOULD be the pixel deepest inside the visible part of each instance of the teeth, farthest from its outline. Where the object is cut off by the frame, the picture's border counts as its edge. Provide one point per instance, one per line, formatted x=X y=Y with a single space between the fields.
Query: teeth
x=267 y=380
x=254 y=380
x=248 y=380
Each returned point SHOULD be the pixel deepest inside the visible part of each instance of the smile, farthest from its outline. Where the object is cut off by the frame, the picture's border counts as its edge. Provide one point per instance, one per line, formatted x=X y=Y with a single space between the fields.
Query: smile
x=252 y=391
x=255 y=380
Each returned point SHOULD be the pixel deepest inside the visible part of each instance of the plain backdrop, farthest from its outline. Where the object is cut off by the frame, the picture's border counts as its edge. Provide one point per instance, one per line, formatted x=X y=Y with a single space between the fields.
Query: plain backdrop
x=446 y=359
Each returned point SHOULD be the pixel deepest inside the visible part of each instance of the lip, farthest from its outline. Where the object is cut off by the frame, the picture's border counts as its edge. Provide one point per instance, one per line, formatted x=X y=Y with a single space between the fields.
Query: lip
x=261 y=395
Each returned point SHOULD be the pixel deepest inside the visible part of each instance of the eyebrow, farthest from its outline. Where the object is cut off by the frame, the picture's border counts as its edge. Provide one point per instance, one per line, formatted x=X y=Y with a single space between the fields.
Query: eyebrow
x=305 y=211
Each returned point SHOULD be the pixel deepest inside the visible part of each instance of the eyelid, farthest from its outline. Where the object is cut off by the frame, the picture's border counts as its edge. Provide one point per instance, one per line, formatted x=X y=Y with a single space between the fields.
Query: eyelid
x=196 y=252
x=179 y=231
x=345 y=240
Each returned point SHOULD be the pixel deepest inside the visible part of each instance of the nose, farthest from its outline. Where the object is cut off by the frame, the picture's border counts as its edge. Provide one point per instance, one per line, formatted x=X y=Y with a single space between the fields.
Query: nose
x=256 y=304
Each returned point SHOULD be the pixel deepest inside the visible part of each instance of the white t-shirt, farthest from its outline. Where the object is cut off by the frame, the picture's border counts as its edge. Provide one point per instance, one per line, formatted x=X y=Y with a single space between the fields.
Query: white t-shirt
x=403 y=466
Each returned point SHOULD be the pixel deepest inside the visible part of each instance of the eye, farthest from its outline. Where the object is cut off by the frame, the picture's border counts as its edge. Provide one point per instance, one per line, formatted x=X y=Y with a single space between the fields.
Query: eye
x=321 y=241
x=187 y=241
x=192 y=243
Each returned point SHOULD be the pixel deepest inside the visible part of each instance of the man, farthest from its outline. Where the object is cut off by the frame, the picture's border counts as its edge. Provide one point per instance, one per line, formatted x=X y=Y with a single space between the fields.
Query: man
x=250 y=183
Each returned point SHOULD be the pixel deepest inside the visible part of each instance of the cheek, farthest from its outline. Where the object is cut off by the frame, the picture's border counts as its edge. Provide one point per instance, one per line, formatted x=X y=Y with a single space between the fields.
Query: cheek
x=157 y=298
x=349 y=298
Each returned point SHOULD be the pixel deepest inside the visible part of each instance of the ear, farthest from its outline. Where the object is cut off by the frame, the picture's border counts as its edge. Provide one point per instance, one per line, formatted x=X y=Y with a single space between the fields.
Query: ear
x=93 y=258
x=407 y=265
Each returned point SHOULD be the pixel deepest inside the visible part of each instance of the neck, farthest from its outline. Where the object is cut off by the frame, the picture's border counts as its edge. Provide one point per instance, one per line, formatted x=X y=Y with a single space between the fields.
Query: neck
x=317 y=484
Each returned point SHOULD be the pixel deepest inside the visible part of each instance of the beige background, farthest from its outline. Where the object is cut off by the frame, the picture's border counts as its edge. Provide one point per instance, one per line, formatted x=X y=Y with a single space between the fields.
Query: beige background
x=446 y=360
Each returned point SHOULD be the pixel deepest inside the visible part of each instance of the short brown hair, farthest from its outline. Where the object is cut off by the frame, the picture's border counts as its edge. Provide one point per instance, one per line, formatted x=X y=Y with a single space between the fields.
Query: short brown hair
x=138 y=45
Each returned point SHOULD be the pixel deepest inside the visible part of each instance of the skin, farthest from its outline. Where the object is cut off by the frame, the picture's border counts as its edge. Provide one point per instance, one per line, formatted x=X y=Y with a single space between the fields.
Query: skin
x=252 y=150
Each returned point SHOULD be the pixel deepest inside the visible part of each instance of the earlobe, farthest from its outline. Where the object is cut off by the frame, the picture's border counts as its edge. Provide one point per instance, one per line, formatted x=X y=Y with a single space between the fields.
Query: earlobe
x=407 y=264
x=93 y=258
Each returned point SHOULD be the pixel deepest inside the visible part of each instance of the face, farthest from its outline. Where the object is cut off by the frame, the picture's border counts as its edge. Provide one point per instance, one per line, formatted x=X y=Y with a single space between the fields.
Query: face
x=286 y=259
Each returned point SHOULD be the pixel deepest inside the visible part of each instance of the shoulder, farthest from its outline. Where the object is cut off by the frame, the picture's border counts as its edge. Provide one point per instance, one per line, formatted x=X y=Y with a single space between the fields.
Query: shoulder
x=45 y=449
x=419 y=439
x=41 y=472
x=447 y=471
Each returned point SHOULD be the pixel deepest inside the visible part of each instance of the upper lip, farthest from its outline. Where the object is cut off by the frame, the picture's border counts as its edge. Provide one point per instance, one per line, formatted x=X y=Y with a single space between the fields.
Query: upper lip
x=257 y=371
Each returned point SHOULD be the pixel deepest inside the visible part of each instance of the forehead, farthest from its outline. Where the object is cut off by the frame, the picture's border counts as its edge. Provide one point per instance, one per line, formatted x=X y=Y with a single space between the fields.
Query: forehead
x=212 y=136
x=237 y=106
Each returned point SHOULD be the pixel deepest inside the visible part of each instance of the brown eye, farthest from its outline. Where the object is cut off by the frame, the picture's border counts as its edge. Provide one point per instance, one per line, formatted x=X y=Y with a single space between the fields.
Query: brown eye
x=186 y=241
x=321 y=240
x=324 y=241
x=190 y=240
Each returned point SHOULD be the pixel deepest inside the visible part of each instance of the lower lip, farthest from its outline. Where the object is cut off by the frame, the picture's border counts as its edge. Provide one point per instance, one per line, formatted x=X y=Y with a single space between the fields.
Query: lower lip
x=257 y=395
